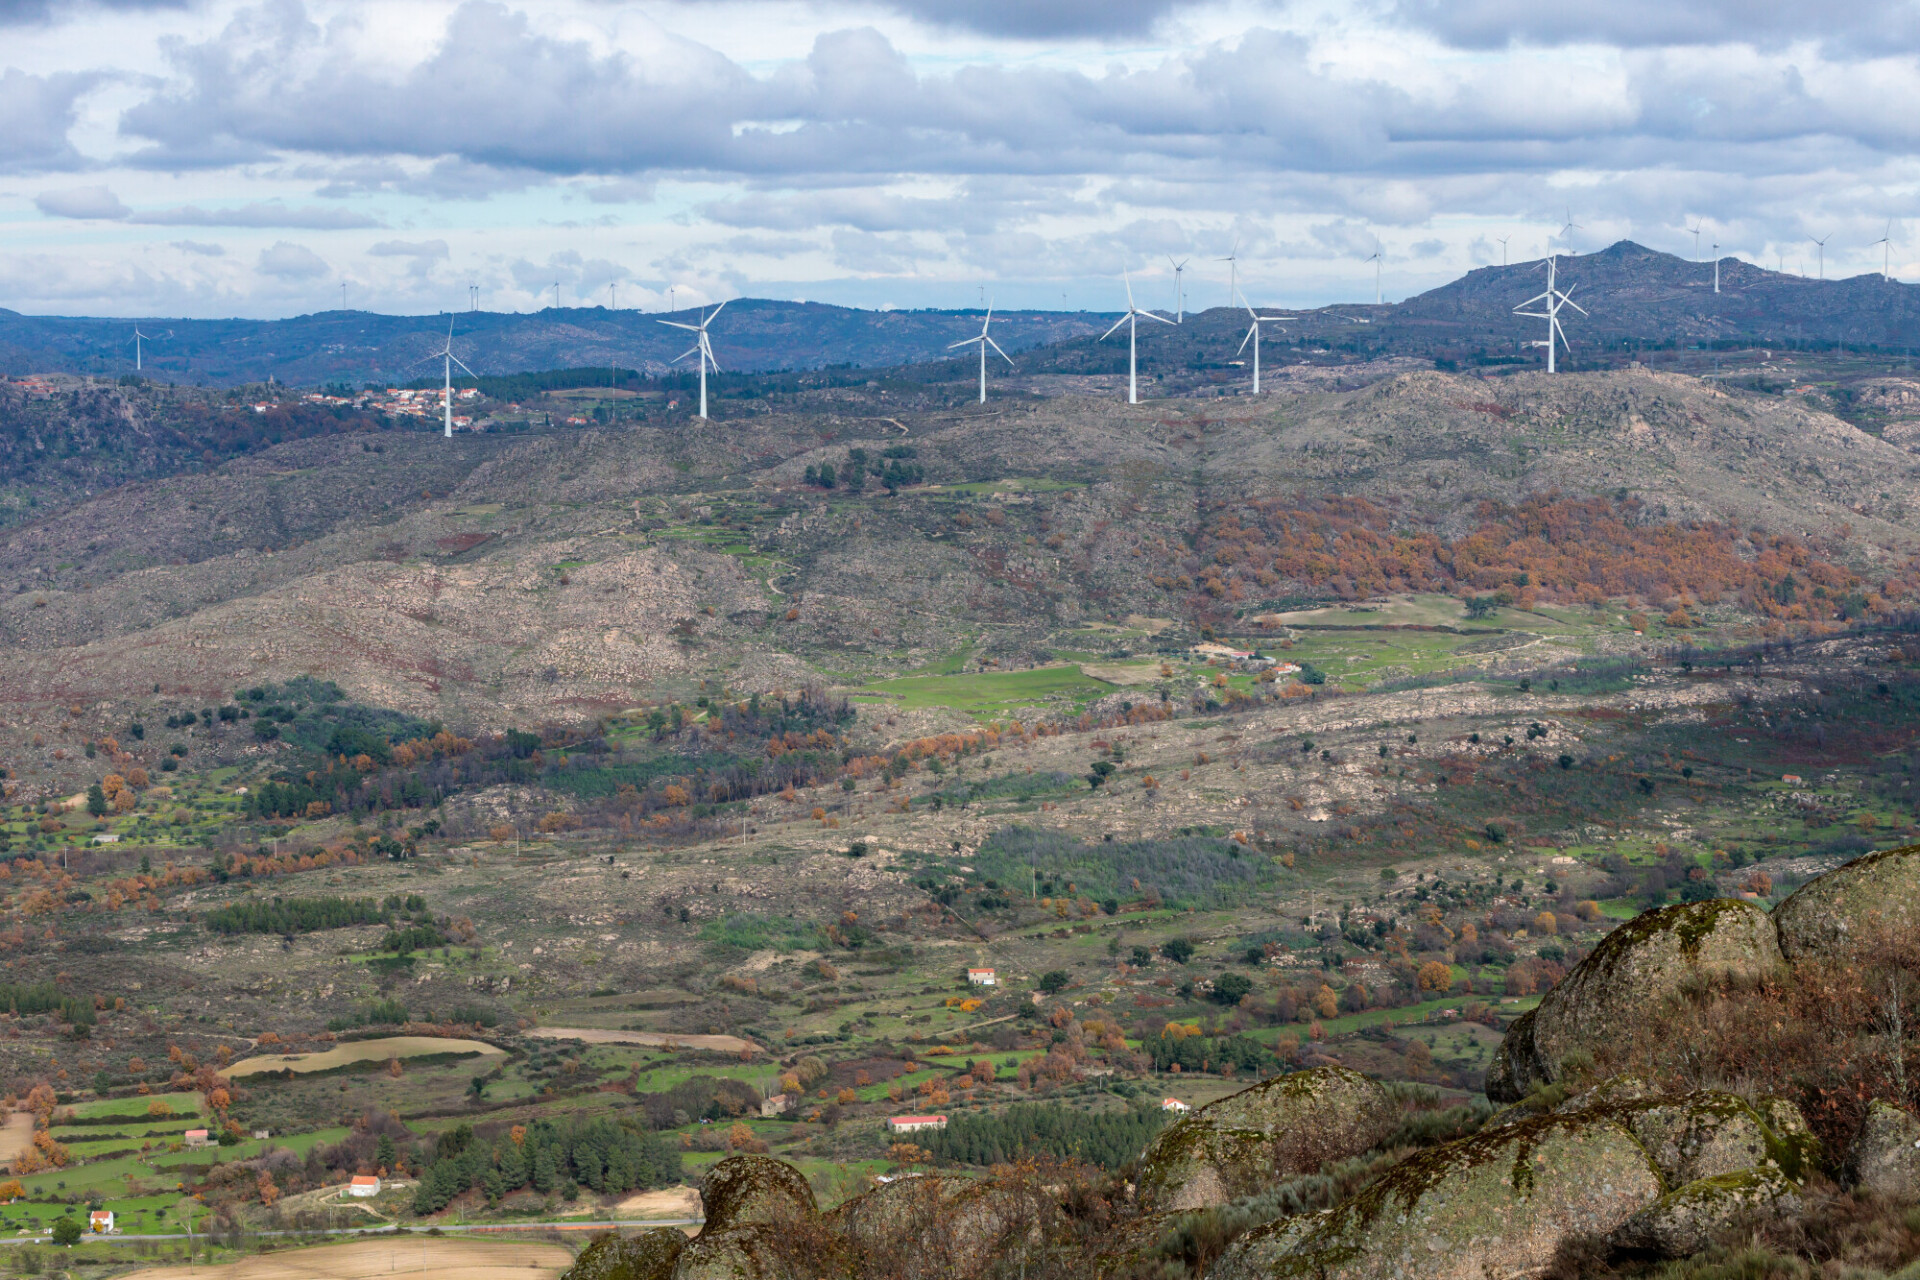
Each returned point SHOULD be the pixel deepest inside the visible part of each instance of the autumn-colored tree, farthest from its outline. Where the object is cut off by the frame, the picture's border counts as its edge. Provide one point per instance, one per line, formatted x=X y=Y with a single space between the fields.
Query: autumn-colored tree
x=1325 y=1002
x=1435 y=977
x=11 y=1190
x=268 y=1191
x=137 y=778
x=676 y=795
x=219 y=1099
x=1545 y=925
x=846 y=1097
x=159 y=1109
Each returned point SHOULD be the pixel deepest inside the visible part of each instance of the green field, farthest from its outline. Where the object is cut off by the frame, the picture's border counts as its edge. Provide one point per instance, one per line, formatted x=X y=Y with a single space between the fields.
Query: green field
x=992 y=695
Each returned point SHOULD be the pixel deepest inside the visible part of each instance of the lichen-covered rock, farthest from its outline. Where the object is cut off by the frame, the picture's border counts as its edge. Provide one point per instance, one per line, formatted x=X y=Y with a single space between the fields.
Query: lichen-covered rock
x=1633 y=970
x=1698 y=1135
x=943 y=1225
x=647 y=1256
x=745 y=1189
x=1833 y=913
x=1498 y=1203
x=1686 y=1219
x=1885 y=1156
x=752 y=1251
x=1290 y=1124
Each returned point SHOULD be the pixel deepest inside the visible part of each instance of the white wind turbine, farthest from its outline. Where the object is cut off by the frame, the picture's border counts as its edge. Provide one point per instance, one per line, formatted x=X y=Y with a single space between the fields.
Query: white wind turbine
x=1886 y=253
x=1822 y=242
x=1554 y=300
x=446 y=390
x=702 y=348
x=1179 y=289
x=1233 y=272
x=1716 y=266
x=1566 y=232
x=1253 y=336
x=1695 y=228
x=1503 y=248
x=137 y=337
x=1131 y=320
x=984 y=342
x=1375 y=259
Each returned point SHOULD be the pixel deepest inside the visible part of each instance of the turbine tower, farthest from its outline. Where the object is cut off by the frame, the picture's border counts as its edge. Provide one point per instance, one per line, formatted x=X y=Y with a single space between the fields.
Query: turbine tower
x=1375 y=259
x=1553 y=299
x=1233 y=275
x=446 y=392
x=1253 y=336
x=1179 y=290
x=137 y=336
x=1822 y=242
x=1716 y=266
x=1886 y=254
x=1566 y=232
x=1131 y=320
x=1503 y=248
x=702 y=348
x=984 y=342
x=1695 y=228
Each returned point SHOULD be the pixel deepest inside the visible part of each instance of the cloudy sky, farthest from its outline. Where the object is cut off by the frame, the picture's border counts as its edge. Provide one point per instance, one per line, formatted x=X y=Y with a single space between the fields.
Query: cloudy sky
x=251 y=157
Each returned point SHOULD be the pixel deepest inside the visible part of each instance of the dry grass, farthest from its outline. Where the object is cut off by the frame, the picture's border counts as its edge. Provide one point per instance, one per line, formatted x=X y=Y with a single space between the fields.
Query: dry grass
x=444 y=1259
x=360 y=1051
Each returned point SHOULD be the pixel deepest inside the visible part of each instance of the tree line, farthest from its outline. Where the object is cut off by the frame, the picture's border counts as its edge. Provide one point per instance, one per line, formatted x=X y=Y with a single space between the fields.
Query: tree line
x=294 y=915
x=1108 y=1139
x=605 y=1155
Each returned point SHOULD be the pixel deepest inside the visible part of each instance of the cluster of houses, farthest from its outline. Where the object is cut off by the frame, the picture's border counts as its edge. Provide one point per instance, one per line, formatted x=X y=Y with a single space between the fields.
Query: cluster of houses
x=1222 y=655
x=402 y=402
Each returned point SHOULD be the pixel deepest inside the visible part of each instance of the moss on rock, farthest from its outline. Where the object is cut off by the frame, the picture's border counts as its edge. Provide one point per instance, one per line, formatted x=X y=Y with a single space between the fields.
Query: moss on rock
x=1497 y=1203
x=744 y=1189
x=1287 y=1125
x=1885 y=1156
x=1833 y=913
x=1633 y=970
x=942 y=1225
x=1686 y=1219
x=647 y=1256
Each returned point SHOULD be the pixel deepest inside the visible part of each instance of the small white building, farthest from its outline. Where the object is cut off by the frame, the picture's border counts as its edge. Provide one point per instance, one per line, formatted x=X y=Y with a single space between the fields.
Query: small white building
x=776 y=1105
x=1173 y=1104
x=981 y=977
x=913 y=1124
x=196 y=1138
x=364 y=1184
x=100 y=1221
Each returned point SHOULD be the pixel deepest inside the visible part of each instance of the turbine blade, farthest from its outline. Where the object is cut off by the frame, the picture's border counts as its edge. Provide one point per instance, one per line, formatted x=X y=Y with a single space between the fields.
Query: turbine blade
x=463 y=364
x=1251 y=330
x=1116 y=326
x=1003 y=355
x=1129 y=281
x=1149 y=315
x=965 y=342
x=683 y=355
x=690 y=328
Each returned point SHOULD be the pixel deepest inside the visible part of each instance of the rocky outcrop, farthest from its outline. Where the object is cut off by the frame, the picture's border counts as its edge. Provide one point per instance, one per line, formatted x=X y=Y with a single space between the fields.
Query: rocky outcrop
x=1637 y=966
x=1836 y=912
x=1686 y=1219
x=1290 y=1124
x=648 y=1256
x=1885 y=1156
x=946 y=1226
x=762 y=1224
x=1498 y=1203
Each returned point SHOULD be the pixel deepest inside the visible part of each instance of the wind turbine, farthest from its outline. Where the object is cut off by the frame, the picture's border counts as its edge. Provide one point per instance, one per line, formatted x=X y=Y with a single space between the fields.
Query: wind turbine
x=446 y=393
x=703 y=348
x=984 y=342
x=1695 y=228
x=1132 y=321
x=1253 y=336
x=1503 y=248
x=1716 y=266
x=1179 y=290
x=1554 y=300
x=137 y=336
x=1886 y=253
x=1375 y=259
x=1822 y=242
x=1233 y=278
x=1566 y=232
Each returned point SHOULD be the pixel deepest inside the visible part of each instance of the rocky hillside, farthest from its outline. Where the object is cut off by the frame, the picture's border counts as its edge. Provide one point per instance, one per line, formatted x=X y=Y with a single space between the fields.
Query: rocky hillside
x=1322 y=1173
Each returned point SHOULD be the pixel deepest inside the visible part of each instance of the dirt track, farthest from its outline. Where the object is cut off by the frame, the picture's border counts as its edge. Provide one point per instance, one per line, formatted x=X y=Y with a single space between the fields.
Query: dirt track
x=659 y=1039
x=445 y=1259
x=16 y=1136
x=359 y=1051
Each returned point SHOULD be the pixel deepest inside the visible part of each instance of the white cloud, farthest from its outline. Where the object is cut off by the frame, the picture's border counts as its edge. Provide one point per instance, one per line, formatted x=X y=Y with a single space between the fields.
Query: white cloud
x=81 y=202
x=288 y=261
x=200 y=247
x=268 y=213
